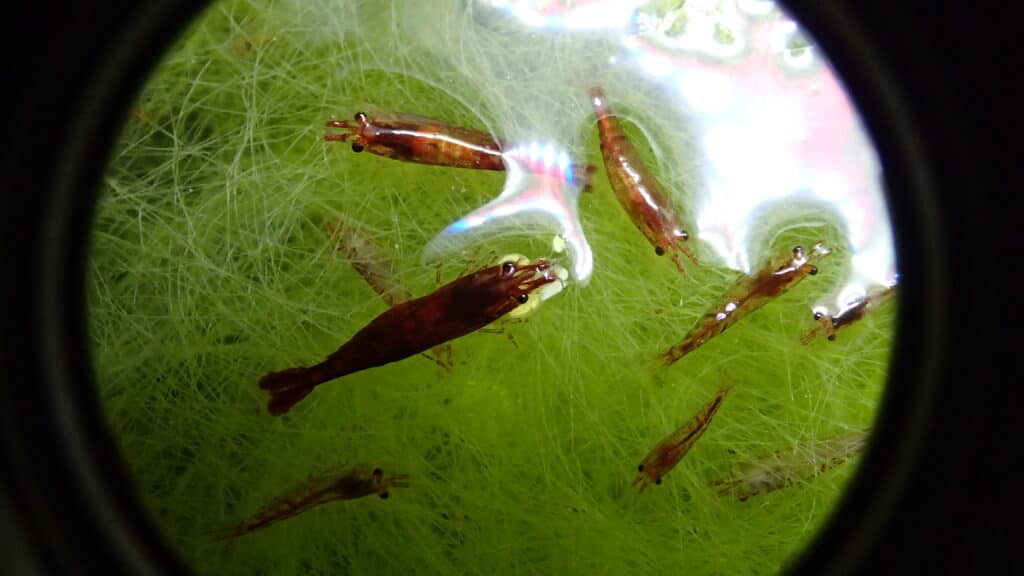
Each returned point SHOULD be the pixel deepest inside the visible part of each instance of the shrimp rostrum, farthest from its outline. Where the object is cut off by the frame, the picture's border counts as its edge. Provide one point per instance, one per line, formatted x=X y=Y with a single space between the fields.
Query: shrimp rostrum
x=458 y=308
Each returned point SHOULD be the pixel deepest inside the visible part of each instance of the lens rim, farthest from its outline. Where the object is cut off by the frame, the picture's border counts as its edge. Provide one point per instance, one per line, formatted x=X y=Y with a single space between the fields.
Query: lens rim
x=74 y=491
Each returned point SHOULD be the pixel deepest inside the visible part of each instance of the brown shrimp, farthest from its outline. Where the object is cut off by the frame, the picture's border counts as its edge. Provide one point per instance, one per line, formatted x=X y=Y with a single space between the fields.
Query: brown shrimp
x=673 y=447
x=787 y=467
x=368 y=259
x=639 y=192
x=456 y=309
x=355 y=483
x=747 y=295
x=418 y=139
x=852 y=313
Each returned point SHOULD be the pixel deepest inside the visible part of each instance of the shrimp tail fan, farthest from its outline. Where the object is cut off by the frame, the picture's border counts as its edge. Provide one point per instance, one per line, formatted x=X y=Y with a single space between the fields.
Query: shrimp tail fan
x=287 y=388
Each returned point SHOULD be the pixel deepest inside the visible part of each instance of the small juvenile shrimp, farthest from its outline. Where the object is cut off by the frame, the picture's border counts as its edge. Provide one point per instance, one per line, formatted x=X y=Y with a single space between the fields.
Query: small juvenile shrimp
x=639 y=192
x=748 y=294
x=408 y=328
x=369 y=260
x=854 y=311
x=418 y=139
x=787 y=467
x=664 y=457
x=355 y=483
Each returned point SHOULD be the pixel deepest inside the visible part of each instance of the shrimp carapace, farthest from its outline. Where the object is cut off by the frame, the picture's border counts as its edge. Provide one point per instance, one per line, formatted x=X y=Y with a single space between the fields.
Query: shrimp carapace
x=355 y=483
x=853 y=312
x=787 y=467
x=640 y=193
x=458 y=308
x=748 y=294
x=417 y=139
x=673 y=447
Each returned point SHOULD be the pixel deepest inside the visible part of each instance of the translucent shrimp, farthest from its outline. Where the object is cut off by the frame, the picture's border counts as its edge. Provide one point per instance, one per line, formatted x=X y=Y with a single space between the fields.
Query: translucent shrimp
x=456 y=309
x=639 y=192
x=673 y=447
x=418 y=139
x=748 y=294
x=369 y=260
x=853 y=312
x=787 y=467
x=355 y=483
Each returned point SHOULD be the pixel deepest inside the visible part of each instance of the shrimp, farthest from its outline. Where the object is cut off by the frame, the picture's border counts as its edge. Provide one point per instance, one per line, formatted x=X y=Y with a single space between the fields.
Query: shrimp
x=639 y=192
x=787 y=467
x=747 y=295
x=664 y=457
x=418 y=139
x=369 y=261
x=854 y=311
x=408 y=328
x=355 y=483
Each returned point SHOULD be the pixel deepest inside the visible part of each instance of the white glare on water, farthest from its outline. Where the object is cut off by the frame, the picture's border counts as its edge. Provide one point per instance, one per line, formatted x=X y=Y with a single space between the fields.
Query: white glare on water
x=773 y=128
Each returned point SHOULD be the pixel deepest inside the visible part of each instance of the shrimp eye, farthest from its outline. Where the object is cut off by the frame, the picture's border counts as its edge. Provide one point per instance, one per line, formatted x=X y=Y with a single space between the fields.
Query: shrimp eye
x=818 y=315
x=814 y=270
x=660 y=251
x=357 y=147
x=798 y=251
x=507 y=269
x=522 y=298
x=832 y=337
x=361 y=117
x=384 y=495
x=640 y=468
x=685 y=235
x=658 y=481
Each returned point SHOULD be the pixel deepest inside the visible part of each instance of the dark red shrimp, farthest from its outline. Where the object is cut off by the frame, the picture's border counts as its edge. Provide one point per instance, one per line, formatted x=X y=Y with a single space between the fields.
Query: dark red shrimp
x=673 y=447
x=355 y=483
x=639 y=192
x=852 y=313
x=747 y=295
x=417 y=139
x=369 y=260
x=456 y=309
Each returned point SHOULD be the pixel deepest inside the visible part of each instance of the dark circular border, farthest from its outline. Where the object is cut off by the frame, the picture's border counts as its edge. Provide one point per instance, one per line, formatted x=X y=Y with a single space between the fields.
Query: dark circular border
x=72 y=491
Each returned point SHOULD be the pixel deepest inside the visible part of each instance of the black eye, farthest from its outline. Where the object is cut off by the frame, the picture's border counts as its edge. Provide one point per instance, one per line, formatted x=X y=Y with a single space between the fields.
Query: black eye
x=832 y=337
x=814 y=270
x=659 y=250
x=818 y=315
x=685 y=235
x=640 y=468
x=361 y=117
x=377 y=472
x=658 y=481
x=507 y=269
x=522 y=298
x=798 y=251
x=357 y=147
x=384 y=495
